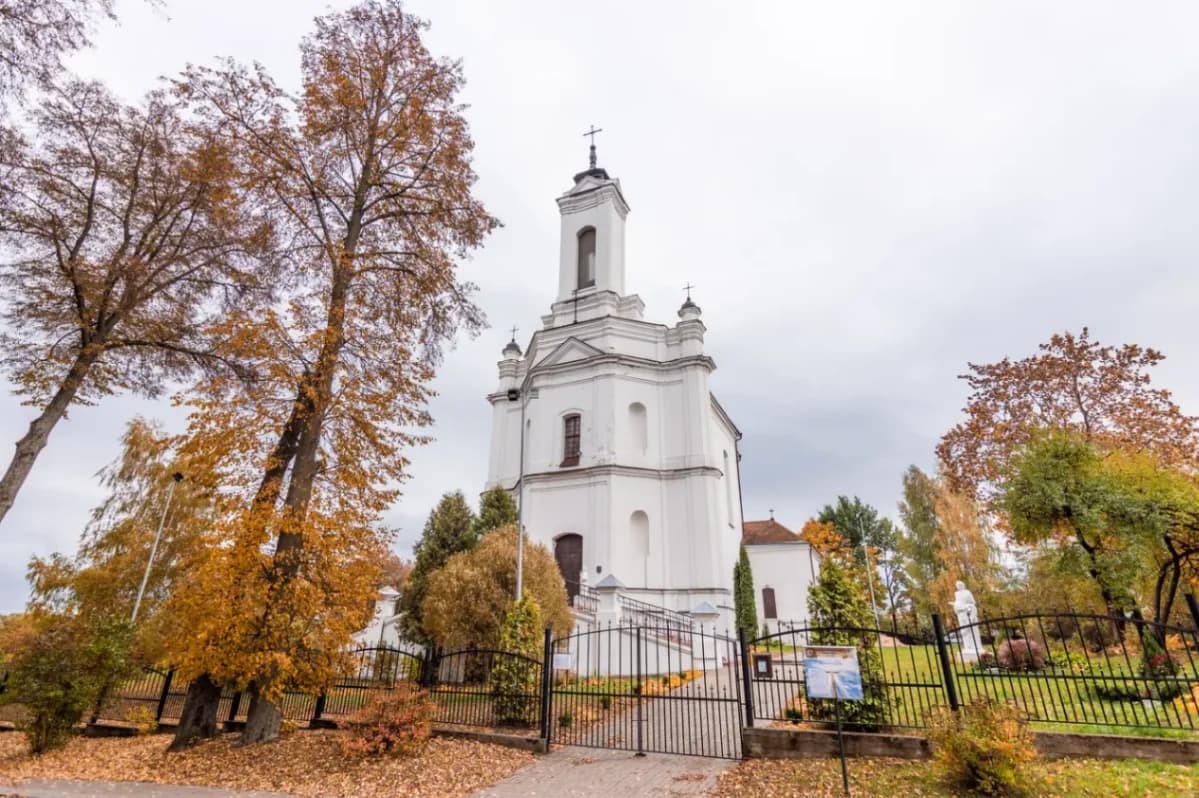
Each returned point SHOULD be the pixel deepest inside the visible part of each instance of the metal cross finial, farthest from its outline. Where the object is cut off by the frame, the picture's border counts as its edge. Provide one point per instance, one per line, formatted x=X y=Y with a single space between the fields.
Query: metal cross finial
x=514 y=329
x=688 y=288
x=771 y=513
x=592 y=133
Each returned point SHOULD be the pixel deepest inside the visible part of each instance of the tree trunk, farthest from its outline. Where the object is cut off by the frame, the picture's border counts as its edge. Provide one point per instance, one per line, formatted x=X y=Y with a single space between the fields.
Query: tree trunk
x=262 y=721
x=198 y=720
x=32 y=443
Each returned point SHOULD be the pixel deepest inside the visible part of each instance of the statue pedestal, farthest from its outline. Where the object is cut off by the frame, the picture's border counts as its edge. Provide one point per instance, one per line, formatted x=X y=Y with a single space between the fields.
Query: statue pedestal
x=969 y=639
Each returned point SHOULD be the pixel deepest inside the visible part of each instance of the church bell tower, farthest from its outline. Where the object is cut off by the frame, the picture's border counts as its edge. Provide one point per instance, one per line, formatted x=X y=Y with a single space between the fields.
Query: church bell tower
x=605 y=431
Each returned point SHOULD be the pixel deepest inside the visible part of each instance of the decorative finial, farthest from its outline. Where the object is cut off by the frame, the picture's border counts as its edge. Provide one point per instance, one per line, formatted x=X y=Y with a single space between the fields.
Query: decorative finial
x=771 y=513
x=592 y=133
x=688 y=288
x=514 y=329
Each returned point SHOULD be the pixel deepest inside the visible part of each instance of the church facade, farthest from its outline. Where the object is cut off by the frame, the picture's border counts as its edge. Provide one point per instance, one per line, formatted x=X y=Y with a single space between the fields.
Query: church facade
x=606 y=432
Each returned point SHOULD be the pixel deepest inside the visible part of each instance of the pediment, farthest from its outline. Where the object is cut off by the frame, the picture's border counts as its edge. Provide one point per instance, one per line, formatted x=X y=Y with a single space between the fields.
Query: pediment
x=569 y=350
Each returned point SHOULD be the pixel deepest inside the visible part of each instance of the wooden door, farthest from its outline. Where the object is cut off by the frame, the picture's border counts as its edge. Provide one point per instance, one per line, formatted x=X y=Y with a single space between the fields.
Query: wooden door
x=568 y=551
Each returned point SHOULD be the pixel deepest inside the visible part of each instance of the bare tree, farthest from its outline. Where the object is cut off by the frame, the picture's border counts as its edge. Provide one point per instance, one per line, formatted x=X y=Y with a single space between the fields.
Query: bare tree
x=122 y=227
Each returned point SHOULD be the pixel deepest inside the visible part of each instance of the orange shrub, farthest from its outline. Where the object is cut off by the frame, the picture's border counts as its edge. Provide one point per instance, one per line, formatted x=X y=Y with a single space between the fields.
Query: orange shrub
x=399 y=721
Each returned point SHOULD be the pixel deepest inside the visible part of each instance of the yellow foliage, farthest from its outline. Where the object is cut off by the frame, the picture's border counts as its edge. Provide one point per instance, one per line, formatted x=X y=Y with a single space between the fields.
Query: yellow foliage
x=468 y=597
x=822 y=536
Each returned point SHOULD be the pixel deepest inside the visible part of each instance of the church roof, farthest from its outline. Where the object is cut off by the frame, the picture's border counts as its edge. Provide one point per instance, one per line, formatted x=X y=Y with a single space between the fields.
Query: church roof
x=770 y=531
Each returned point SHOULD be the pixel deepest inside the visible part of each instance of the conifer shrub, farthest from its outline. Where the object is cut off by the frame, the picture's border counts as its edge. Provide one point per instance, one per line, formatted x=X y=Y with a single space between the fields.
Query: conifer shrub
x=515 y=678
x=984 y=747
x=744 y=607
x=395 y=722
x=840 y=616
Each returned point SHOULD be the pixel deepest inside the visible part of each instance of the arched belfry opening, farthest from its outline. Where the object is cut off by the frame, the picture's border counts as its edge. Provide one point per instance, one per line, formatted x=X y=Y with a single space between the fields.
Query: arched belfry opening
x=586 y=271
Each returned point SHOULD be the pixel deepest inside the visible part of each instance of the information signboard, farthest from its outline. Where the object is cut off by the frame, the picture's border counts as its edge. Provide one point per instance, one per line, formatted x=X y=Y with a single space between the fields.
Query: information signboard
x=832 y=672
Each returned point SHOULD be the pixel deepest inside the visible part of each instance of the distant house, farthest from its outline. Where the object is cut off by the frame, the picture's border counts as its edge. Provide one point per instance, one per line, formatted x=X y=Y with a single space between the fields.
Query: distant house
x=383 y=630
x=784 y=567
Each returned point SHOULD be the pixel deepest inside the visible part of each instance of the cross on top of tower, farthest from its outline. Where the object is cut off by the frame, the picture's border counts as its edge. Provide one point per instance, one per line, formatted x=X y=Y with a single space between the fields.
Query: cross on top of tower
x=514 y=329
x=592 y=133
x=688 y=288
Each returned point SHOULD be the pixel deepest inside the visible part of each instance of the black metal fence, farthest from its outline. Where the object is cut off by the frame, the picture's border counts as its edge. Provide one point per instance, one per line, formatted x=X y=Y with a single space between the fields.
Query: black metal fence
x=1082 y=670
x=486 y=687
x=655 y=687
x=1085 y=672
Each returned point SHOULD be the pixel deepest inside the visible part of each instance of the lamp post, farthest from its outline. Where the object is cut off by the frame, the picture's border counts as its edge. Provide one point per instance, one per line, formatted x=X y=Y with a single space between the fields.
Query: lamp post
x=869 y=573
x=518 y=394
x=176 y=478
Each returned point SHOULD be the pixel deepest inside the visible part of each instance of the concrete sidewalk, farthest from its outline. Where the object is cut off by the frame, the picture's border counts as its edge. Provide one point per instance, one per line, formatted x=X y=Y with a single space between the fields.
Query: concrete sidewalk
x=578 y=772
x=61 y=788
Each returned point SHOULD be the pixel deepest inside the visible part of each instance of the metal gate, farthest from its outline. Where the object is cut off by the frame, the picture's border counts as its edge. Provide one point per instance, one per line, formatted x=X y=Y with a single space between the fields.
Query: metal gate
x=658 y=687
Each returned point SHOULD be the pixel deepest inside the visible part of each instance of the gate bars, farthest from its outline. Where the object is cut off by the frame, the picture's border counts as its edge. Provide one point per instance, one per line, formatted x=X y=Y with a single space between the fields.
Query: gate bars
x=646 y=689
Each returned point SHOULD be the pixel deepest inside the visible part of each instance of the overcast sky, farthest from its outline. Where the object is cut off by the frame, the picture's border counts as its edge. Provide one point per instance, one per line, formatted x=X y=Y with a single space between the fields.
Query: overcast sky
x=867 y=196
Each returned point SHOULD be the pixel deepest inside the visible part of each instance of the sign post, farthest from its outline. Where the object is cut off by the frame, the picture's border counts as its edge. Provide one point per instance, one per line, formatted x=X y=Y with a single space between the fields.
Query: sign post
x=833 y=672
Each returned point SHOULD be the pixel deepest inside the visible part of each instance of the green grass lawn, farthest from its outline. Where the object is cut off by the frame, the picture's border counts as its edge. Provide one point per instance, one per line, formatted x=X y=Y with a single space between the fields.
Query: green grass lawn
x=1058 y=698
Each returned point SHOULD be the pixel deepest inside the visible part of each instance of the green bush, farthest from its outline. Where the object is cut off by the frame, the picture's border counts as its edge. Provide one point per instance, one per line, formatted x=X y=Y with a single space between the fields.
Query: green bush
x=566 y=719
x=515 y=678
x=62 y=669
x=841 y=616
x=985 y=747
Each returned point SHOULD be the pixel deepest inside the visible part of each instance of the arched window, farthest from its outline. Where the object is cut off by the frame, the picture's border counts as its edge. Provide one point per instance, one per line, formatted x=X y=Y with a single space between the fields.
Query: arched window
x=639 y=533
x=768 y=607
x=586 y=257
x=572 y=433
x=638 y=428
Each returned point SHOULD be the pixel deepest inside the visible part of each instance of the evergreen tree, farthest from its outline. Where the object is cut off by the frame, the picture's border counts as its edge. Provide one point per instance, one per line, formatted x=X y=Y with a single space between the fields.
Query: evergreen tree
x=513 y=681
x=840 y=616
x=496 y=509
x=449 y=530
x=743 y=594
x=859 y=524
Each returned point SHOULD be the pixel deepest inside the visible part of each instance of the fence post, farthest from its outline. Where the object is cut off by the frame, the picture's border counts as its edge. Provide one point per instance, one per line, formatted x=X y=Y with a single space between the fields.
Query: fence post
x=547 y=685
x=640 y=700
x=951 y=690
x=162 y=698
x=745 y=678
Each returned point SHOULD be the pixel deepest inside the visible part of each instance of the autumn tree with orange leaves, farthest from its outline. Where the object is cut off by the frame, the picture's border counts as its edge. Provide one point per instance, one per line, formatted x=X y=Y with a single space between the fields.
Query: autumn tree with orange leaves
x=122 y=234
x=366 y=177
x=1074 y=384
x=1074 y=389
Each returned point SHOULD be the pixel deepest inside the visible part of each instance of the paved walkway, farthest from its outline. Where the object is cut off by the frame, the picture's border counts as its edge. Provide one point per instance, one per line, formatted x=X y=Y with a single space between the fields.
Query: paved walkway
x=585 y=772
x=61 y=788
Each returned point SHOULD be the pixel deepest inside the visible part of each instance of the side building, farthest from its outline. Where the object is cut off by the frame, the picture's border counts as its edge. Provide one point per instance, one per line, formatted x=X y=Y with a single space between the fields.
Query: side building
x=784 y=567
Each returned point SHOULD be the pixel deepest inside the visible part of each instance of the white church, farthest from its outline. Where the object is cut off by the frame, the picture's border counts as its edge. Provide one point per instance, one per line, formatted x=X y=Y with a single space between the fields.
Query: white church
x=622 y=460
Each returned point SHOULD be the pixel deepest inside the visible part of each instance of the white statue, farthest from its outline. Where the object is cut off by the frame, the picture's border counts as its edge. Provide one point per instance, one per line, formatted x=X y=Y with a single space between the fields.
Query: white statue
x=967 y=611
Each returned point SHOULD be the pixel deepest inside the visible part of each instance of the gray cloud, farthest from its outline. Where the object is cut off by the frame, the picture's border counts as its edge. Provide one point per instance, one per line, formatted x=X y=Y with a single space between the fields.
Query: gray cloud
x=867 y=195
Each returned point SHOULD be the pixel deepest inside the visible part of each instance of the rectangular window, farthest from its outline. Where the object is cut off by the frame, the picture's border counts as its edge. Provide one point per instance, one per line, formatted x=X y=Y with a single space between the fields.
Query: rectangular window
x=572 y=434
x=768 y=608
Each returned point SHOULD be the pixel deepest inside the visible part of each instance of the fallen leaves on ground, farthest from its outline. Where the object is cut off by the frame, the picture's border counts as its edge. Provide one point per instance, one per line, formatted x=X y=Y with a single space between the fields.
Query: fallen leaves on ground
x=307 y=763
x=888 y=778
